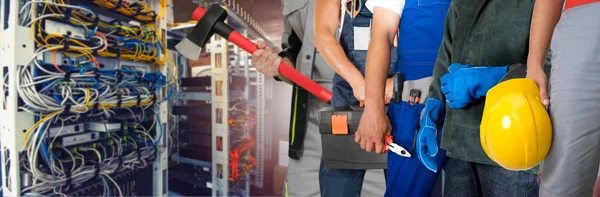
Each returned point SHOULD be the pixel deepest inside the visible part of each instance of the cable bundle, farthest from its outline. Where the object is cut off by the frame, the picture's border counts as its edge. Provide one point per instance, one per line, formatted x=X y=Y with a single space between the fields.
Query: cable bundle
x=143 y=43
x=78 y=87
x=59 y=178
x=138 y=10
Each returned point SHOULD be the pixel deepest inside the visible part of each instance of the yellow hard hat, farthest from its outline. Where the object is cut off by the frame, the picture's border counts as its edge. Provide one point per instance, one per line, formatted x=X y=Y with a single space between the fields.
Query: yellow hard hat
x=516 y=131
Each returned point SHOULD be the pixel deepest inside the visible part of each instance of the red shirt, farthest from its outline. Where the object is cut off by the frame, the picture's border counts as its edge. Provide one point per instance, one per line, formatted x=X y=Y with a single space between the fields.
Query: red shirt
x=573 y=3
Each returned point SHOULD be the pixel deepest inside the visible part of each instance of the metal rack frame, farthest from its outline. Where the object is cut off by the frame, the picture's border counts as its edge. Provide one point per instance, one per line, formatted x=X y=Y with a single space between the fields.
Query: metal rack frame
x=16 y=48
x=220 y=106
x=221 y=68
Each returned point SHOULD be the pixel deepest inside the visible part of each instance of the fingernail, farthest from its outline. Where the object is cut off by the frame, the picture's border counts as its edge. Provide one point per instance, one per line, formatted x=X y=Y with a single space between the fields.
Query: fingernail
x=546 y=102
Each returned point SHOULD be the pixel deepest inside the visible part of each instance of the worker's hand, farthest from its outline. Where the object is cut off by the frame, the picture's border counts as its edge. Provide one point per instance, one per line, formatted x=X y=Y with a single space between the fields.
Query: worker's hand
x=374 y=126
x=358 y=88
x=539 y=76
x=266 y=60
x=389 y=90
x=427 y=138
x=465 y=84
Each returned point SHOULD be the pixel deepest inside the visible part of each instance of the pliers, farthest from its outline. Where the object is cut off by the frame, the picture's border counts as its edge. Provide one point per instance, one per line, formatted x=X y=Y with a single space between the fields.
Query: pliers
x=399 y=150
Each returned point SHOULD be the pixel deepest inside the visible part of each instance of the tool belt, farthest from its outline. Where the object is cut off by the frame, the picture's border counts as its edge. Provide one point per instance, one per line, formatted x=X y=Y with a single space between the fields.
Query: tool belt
x=337 y=127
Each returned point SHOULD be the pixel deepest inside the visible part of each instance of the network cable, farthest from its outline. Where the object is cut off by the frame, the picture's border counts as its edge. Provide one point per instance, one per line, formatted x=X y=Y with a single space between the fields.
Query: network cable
x=59 y=92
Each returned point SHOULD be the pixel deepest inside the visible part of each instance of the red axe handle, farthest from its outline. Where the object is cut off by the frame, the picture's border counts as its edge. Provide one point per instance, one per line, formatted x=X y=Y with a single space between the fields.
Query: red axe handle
x=284 y=69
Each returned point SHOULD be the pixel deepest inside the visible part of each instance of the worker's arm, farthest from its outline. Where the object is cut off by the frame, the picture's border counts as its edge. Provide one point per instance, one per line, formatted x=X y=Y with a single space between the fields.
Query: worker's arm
x=375 y=124
x=326 y=20
x=546 y=14
x=385 y=26
x=267 y=61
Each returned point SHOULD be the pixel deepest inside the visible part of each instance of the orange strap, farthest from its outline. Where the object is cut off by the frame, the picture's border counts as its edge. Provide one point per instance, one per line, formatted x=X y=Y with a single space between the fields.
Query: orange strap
x=339 y=124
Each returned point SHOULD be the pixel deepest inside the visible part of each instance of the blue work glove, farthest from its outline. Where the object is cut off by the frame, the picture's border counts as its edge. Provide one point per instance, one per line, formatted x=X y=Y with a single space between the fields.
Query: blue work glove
x=465 y=84
x=431 y=123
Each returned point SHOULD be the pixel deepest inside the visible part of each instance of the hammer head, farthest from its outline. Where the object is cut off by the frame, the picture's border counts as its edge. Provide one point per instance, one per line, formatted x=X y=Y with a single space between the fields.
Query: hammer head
x=191 y=46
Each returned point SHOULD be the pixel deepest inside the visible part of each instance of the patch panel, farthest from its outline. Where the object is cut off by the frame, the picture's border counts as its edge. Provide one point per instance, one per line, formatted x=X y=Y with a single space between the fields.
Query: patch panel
x=65 y=130
x=132 y=183
x=102 y=127
x=54 y=27
x=80 y=139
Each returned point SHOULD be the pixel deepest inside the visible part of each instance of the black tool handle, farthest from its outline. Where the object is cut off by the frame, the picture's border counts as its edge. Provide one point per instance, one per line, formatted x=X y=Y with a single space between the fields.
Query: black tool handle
x=398 y=87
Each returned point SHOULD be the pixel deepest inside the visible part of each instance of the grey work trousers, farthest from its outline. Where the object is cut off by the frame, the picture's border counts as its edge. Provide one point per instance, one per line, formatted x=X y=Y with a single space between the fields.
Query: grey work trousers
x=572 y=164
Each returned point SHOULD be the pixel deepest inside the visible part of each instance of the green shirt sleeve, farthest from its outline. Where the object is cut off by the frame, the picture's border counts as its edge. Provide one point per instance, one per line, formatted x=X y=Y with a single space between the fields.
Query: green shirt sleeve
x=443 y=59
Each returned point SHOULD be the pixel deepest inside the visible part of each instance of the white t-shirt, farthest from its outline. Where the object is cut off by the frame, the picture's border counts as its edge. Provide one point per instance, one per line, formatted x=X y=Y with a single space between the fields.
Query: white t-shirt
x=392 y=5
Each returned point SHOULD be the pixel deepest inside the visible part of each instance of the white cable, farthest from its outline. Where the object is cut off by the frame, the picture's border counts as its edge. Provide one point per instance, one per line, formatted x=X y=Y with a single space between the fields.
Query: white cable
x=116 y=185
x=72 y=157
x=96 y=151
x=43 y=17
x=57 y=4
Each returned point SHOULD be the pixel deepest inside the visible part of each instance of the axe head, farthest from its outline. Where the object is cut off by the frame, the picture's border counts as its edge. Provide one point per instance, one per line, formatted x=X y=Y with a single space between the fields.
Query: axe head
x=191 y=46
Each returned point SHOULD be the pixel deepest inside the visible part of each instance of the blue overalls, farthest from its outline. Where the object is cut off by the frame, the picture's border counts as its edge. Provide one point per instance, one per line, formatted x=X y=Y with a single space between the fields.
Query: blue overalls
x=346 y=182
x=421 y=32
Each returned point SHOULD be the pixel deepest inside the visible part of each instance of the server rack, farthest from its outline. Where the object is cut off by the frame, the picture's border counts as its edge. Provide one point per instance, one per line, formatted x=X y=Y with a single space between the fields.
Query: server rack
x=16 y=49
x=232 y=78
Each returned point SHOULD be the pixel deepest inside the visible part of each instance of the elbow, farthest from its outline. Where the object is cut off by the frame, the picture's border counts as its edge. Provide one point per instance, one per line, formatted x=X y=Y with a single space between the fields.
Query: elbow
x=381 y=40
x=318 y=41
x=324 y=38
x=383 y=37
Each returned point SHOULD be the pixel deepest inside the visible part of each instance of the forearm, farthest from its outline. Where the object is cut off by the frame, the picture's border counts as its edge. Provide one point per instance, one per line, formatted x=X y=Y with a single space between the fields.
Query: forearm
x=378 y=60
x=546 y=14
x=335 y=56
x=325 y=23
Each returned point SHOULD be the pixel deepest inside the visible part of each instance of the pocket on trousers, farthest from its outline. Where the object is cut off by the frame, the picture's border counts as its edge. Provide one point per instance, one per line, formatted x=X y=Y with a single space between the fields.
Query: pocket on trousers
x=404 y=119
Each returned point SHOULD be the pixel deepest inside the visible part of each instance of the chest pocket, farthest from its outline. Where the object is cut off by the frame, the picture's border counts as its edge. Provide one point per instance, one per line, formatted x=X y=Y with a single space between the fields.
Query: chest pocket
x=433 y=2
x=294 y=12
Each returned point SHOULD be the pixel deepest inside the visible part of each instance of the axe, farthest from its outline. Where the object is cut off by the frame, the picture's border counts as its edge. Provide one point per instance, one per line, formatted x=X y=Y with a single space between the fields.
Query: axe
x=211 y=21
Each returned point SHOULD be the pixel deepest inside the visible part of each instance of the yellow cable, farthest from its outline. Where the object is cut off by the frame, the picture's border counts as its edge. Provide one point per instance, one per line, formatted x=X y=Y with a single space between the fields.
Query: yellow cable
x=88 y=96
x=175 y=74
x=39 y=122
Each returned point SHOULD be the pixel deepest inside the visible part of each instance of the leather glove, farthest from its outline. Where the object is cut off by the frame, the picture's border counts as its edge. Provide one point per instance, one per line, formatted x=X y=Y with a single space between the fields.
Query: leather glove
x=430 y=124
x=465 y=83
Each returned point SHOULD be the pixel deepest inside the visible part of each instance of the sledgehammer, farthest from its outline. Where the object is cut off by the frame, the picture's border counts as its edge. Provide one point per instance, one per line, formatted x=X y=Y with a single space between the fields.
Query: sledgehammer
x=211 y=21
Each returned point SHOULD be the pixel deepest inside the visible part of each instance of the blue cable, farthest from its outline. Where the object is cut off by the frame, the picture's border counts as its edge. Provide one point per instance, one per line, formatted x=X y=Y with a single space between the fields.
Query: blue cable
x=96 y=82
x=92 y=32
x=136 y=137
x=159 y=137
x=57 y=98
x=45 y=153
x=70 y=63
x=84 y=69
x=161 y=129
